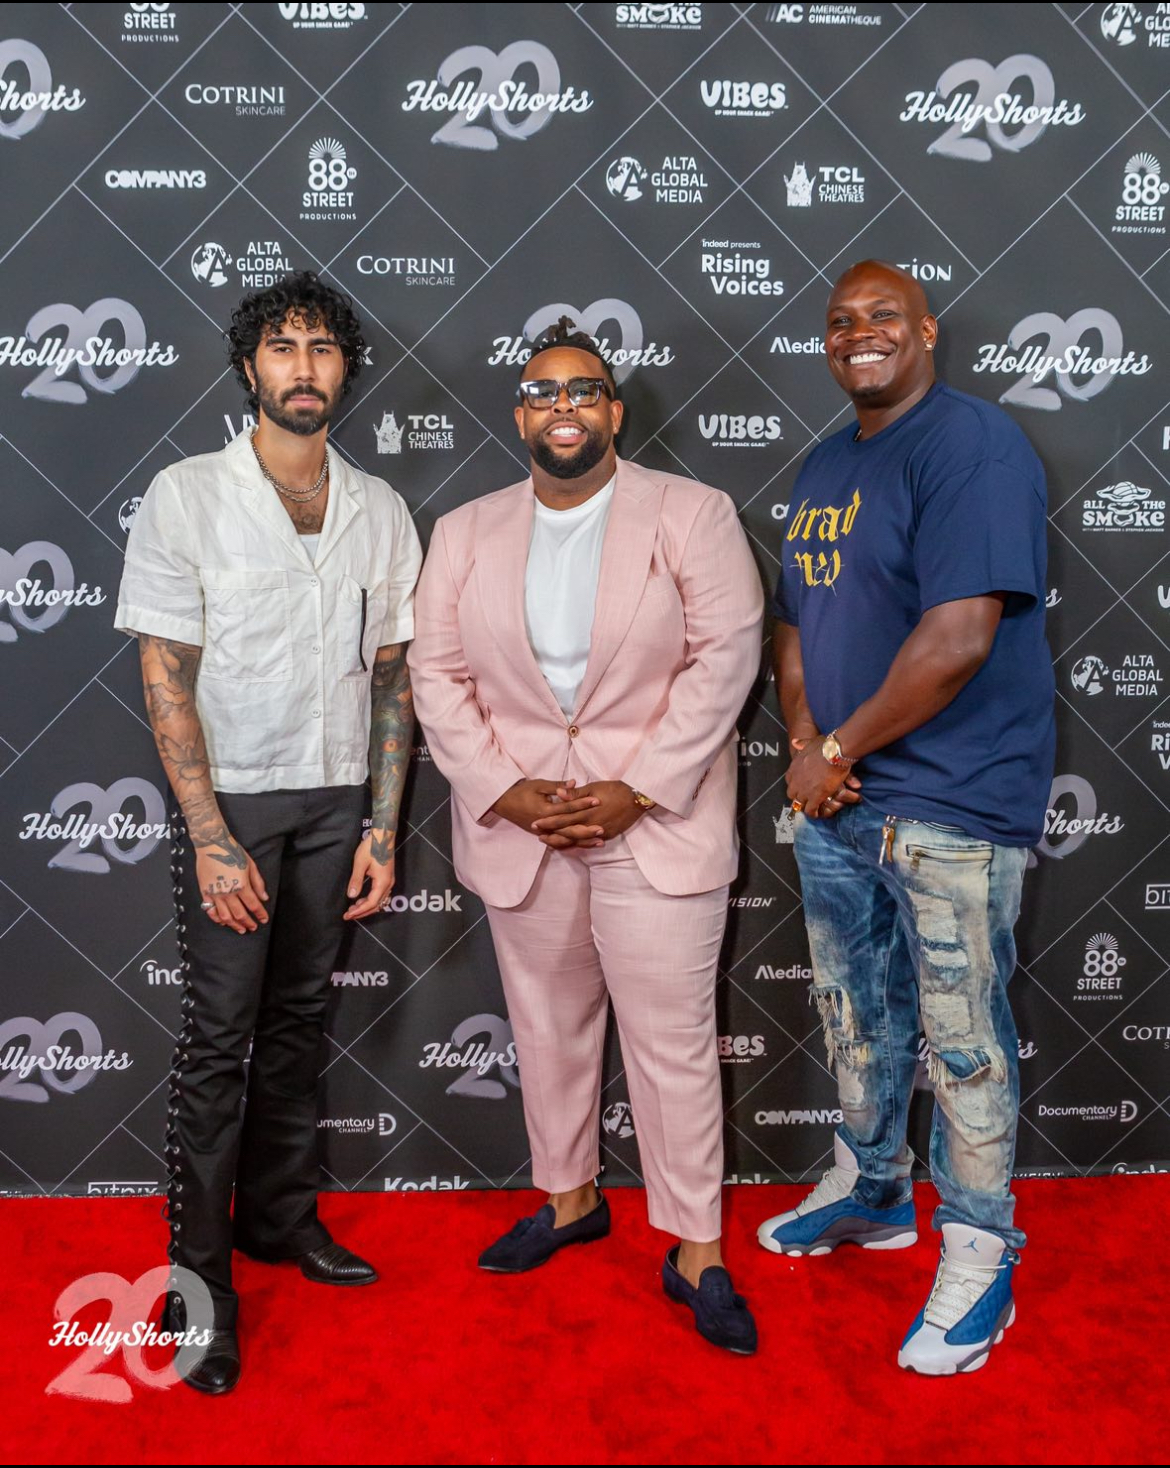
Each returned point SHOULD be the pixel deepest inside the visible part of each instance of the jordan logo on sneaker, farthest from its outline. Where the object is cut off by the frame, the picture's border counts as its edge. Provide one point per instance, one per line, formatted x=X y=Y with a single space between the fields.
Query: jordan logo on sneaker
x=971 y=1244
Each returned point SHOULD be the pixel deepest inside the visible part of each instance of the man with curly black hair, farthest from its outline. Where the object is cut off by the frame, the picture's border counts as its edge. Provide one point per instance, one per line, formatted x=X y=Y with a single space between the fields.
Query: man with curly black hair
x=270 y=586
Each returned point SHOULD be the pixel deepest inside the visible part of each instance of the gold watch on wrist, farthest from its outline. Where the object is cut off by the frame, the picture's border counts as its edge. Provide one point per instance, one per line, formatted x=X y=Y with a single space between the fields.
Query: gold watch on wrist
x=643 y=800
x=831 y=751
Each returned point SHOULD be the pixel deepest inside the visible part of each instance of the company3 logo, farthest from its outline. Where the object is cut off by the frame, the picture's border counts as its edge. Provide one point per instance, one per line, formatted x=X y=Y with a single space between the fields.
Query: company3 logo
x=1063 y=356
x=32 y=607
x=86 y=347
x=995 y=102
x=59 y=1066
x=618 y=1120
x=40 y=98
x=108 y=820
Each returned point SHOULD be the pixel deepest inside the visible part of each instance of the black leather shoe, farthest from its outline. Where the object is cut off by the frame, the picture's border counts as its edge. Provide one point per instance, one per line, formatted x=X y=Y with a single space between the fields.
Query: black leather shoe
x=721 y=1316
x=219 y=1370
x=334 y=1264
x=533 y=1241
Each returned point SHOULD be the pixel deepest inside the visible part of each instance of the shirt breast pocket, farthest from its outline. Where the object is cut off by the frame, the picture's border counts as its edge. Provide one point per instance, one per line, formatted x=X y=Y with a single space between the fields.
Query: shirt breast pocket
x=247 y=636
x=361 y=615
x=658 y=619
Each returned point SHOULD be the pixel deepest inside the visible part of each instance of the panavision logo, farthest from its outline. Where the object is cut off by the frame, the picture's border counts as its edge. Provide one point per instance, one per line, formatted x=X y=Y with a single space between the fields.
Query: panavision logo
x=659 y=17
x=1057 y=349
x=831 y=184
x=1101 y=976
x=1143 y=189
x=1123 y=24
x=38 y=587
x=677 y=180
x=972 y=95
x=1123 y=506
x=21 y=111
x=1136 y=676
x=322 y=17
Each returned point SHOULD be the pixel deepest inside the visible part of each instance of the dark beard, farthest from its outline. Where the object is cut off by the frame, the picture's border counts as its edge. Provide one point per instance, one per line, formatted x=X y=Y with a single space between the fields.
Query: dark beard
x=303 y=421
x=573 y=466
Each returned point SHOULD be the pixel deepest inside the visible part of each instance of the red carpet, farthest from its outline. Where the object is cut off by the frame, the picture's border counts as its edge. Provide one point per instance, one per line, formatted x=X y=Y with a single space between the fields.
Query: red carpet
x=585 y=1361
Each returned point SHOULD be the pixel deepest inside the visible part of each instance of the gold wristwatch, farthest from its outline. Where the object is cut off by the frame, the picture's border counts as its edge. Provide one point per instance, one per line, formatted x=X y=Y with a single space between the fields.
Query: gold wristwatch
x=831 y=751
x=643 y=800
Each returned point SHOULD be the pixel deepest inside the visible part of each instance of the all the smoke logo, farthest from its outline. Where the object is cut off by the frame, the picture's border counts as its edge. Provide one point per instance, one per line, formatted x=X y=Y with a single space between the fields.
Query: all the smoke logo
x=262 y=264
x=482 y=1048
x=743 y=98
x=1123 y=506
x=617 y=1120
x=127 y=510
x=629 y=351
x=329 y=195
x=1123 y=24
x=420 y=430
x=736 y=272
x=514 y=109
x=37 y=589
x=1072 y=817
x=21 y=111
x=659 y=17
x=127 y=820
x=1044 y=344
x=62 y=339
x=245 y=100
x=149 y=23
x=321 y=17
x=1101 y=976
x=1143 y=190
x=678 y=179
x=830 y=184
x=1136 y=676
x=30 y=1048
x=972 y=95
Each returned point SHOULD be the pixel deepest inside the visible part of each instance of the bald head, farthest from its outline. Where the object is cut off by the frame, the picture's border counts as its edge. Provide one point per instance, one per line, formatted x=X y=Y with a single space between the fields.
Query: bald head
x=879 y=337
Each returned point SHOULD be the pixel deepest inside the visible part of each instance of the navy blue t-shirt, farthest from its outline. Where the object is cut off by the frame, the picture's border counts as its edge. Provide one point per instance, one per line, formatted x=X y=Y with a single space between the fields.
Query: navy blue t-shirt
x=947 y=502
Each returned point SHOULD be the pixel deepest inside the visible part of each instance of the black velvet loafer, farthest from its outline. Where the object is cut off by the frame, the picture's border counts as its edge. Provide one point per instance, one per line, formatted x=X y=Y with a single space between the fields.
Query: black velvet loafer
x=721 y=1316
x=533 y=1241
x=334 y=1264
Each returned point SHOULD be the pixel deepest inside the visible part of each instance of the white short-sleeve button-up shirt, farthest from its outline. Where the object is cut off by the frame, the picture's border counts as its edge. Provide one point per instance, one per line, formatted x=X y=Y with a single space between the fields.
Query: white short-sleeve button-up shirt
x=289 y=641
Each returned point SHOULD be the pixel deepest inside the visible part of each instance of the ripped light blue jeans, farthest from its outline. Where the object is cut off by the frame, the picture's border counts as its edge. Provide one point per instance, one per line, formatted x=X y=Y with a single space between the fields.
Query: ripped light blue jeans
x=911 y=933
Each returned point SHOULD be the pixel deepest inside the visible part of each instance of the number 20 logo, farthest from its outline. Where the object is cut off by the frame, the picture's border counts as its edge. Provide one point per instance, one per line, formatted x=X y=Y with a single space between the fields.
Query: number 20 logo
x=992 y=82
x=494 y=71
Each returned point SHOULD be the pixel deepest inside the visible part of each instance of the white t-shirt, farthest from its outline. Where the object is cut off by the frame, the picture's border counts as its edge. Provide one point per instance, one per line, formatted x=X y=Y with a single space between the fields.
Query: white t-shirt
x=560 y=590
x=310 y=543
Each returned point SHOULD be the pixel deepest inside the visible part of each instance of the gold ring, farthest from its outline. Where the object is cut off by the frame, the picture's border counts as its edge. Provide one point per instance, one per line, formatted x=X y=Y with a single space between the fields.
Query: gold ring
x=797 y=807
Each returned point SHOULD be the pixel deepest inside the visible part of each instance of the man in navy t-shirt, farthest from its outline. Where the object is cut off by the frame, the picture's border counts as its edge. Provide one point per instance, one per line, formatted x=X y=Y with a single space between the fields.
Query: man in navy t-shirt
x=917 y=690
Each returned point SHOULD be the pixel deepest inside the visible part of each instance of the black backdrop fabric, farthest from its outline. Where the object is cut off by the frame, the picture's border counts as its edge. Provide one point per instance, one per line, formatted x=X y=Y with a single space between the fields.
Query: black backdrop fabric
x=686 y=180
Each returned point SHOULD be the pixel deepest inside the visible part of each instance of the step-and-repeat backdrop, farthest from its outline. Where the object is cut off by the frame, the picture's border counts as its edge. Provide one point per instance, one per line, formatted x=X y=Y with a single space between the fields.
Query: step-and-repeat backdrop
x=686 y=180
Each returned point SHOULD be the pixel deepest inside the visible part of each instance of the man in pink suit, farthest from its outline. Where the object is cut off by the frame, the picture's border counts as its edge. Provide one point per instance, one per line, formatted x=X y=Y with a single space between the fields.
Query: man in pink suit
x=584 y=642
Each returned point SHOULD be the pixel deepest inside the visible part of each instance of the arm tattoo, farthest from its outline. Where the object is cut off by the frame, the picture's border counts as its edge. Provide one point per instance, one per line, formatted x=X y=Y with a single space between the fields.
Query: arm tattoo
x=169 y=671
x=391 y=727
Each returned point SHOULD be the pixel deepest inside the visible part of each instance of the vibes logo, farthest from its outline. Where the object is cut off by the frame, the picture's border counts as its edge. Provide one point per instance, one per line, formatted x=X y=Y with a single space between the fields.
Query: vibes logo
x=1058 y=351
x=971 y=95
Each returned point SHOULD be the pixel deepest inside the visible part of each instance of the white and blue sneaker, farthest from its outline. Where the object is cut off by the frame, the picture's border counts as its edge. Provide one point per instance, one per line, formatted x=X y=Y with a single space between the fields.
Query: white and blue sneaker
x=830 y=1215
x=969 y=1307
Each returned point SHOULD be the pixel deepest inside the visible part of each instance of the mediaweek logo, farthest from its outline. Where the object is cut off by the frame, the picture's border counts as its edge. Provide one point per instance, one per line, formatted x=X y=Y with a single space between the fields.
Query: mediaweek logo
x=38 y=589
x=38 y=1059
x=678 y=179
x=420 y=431
x=384 y=1124
x=149 y=23
x=481 y=1047
x=22 y=111
x=1136 y=676
x=1143 y=189
x=261 y=264
x=1072 y=817
x=743 y=98
x=127 y=820
x=974 y=96
x=629 y=351
x=512 y=107
x=1125 y=24
x=329 y=194
x=1058 y=350
x=828 y=183
x=1101 y=974
x=322 y=17
x=732 y=271
x=62 y=340
x=658 y=17
x=1123 y=506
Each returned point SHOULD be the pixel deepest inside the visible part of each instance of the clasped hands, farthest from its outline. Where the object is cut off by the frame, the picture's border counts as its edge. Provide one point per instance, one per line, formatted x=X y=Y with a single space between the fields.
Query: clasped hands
x=814 y=785
x=561 y=816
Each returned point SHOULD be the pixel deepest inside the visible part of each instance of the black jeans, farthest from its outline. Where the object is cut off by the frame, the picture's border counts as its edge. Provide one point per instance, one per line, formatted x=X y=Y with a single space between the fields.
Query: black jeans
x=267 y=990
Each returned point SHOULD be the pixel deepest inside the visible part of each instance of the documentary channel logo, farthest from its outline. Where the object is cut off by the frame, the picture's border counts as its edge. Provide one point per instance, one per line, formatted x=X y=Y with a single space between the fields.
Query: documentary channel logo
x=38 y=589
x=22 y=111
x=383 y=1124
x=973 y=95
x=1058 y=350
x=127 y=819
x=679 y=179
x=30 y=1047
x=629 y=351
x=61 y=339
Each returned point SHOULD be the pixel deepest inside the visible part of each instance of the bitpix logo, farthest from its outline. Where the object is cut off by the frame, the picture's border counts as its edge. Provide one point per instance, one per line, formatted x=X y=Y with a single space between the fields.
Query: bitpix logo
x=1158 y=896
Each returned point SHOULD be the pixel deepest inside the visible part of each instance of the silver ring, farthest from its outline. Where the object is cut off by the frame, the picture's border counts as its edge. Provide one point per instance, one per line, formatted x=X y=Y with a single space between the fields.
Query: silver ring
x=206 y=906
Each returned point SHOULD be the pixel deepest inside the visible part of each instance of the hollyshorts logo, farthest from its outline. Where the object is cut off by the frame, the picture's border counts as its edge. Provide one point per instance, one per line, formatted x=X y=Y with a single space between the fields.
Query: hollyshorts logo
x=659 y=17
x=1144 y=1034
x=826 y=1116
x=1160 y=742
x=617 y=1120
x=22 y=111
x=823 y=15
x=1101 y=976
x=322 y=17
x=1158 y=896
x=30 y=1048
x=830 y=184
x=480 y=1045
x=328 y=195
x=29 y=603
x=731 y=271
x=126 y=1330
x=791 y=346
x=384 y=1124
x=360 y=978
x=262 y=264
x=245 y=101
x=149 y=23
x=740 y=1049
x=677 y=180
x=128 y=820
x=155 y=178
x=157 y=976
x=630 y=351
x=743 y=99
x=61 y=339
x=410 y=270
x=420 y=431
x=1072 y=817
x=1123 y=506
x=796 y=971
x=1079 y=371
x=1124 y=24
x=1122 y=1111
x=972 y=95
x=785 y=826
x=512 y=110
x=1136 y=676
x=1143 y=190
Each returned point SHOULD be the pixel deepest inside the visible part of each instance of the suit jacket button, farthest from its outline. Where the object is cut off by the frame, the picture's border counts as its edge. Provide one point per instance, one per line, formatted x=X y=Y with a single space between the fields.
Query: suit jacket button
x=573 y=731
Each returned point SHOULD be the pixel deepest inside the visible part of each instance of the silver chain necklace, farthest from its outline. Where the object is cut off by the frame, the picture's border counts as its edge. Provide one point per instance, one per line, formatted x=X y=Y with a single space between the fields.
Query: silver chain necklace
x=298 y=496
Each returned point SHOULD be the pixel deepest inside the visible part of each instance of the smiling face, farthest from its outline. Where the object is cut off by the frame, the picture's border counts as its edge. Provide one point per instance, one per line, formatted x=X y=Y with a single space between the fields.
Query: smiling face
x=298 y=374
x=879 y=335
x=567 y=442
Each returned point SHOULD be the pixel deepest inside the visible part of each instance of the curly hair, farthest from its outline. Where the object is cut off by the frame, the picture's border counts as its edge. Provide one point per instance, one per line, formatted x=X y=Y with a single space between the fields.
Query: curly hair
x=564 y=334
x=302 y=296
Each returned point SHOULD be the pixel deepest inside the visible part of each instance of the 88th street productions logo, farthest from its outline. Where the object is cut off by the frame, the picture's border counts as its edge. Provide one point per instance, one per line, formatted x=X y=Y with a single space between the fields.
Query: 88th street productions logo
x=1101 y=975
x=329 y=195
x=973 y=96
x=1142 y=209
x=149 y=24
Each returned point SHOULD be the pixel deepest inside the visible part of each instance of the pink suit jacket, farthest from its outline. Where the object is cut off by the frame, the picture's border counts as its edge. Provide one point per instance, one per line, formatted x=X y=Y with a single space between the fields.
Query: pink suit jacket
x=675 y=649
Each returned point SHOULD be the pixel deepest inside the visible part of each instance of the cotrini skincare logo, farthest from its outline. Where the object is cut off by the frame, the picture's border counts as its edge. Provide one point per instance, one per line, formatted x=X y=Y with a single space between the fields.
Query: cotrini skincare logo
x=410 y=270
x=244 y=101
x=1058 y=350
x=476 y=82
x=1143 y=192
x=1123 y=506
x=62 y=340
x=974 y=96
x=23 y=110
x=678 y=179
x=38 y=589
x=631 y=349
x=149 y=23
x=329 y=195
